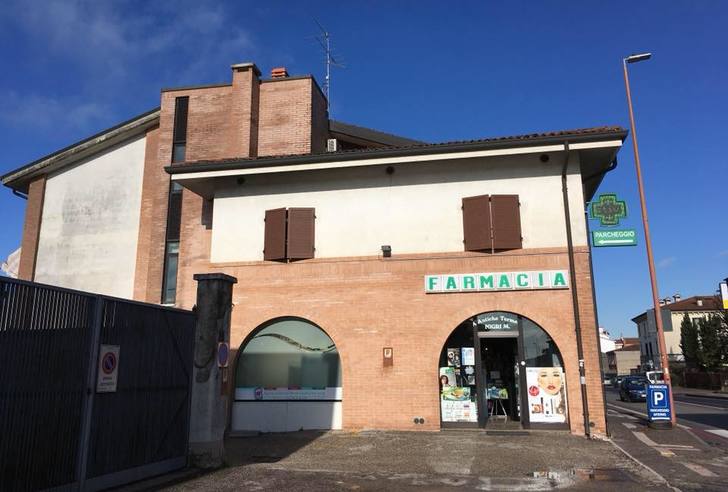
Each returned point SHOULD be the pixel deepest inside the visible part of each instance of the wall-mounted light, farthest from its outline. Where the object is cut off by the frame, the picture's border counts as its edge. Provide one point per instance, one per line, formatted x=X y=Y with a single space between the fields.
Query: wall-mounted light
x=387 y=251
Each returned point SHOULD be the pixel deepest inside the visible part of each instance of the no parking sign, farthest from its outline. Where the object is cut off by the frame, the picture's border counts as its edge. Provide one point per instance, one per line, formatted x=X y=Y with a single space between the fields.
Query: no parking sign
x=108 y=369
x=658 y=402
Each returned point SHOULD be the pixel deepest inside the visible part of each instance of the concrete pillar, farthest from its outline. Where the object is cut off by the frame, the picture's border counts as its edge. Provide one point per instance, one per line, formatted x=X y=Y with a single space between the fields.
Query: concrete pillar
x=208 y=417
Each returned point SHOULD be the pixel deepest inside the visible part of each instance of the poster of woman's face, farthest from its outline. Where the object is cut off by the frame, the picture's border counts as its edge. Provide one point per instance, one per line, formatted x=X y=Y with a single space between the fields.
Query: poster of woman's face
x=546 y=394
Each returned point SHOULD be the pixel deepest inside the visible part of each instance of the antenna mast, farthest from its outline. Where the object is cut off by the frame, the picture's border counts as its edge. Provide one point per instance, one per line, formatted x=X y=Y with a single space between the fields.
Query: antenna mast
x=325 y=41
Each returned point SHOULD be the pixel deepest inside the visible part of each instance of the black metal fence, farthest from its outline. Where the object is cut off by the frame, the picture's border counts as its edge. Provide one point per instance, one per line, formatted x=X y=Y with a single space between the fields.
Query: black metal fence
x=55 y=429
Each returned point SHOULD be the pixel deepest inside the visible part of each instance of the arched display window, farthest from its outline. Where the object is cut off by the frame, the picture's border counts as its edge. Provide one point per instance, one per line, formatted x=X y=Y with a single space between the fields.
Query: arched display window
x=288 y=377
x=500 y=369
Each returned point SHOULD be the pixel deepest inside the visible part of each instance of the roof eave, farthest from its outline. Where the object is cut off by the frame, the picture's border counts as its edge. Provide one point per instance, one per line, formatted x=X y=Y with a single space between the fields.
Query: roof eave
x=20 y=178
x=266 y=162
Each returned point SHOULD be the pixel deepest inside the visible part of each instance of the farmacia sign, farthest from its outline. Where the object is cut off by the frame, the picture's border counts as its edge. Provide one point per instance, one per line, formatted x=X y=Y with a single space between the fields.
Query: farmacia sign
x=483 y=282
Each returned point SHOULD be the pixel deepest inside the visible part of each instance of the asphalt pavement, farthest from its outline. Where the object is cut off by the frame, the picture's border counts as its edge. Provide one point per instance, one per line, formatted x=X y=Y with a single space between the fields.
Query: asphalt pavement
x=706 y=416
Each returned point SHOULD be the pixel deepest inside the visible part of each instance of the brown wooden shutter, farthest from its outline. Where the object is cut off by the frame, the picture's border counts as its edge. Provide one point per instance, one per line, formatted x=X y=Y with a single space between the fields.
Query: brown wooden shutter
x=275 y=234
x=506 y=215
x=301 y=228
x=476 y=223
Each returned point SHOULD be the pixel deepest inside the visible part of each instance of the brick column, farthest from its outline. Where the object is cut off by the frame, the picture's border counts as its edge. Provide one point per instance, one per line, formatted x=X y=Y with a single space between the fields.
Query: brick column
x=243 y=138
x=31 y=228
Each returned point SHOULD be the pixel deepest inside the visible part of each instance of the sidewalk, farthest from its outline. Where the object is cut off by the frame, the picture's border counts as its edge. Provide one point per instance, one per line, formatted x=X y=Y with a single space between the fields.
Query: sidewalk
x=684 y=460
x=680 y=390
x=447 y=460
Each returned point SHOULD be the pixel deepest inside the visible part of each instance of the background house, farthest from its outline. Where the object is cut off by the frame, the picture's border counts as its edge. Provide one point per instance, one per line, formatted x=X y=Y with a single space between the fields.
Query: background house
x=672 y=311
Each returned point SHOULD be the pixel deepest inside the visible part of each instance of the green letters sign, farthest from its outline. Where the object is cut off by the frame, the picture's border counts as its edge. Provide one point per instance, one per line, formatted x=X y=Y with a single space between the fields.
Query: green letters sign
x=484 y=282
x=614 y=237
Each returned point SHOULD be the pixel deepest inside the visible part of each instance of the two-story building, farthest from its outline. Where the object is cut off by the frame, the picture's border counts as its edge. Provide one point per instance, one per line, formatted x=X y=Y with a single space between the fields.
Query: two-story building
x=382 y=282
x=673 y=310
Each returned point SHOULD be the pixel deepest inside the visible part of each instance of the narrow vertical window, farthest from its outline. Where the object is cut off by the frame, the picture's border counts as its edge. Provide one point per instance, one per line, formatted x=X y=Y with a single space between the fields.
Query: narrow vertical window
x=171 y=252
x=179 y=134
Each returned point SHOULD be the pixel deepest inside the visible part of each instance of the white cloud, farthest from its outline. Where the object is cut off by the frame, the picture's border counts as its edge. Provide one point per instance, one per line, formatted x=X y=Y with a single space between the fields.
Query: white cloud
x=115 y=47
x=666 y=262
x=116 y=37
x=41 y=112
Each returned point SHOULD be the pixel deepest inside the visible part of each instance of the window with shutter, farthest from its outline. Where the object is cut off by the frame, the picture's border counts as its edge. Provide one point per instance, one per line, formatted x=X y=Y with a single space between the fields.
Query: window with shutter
x=506 y=222
x=289 y=234
x=491 y=222
x=476 y=223
x=301 y=233
x=274 y=247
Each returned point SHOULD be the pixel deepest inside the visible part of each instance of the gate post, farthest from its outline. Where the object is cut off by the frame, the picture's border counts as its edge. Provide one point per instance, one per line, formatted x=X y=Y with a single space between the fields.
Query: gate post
x=208 y=415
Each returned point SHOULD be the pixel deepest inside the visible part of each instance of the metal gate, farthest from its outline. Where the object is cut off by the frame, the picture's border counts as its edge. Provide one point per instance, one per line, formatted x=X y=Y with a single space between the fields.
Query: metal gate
x=56 y=430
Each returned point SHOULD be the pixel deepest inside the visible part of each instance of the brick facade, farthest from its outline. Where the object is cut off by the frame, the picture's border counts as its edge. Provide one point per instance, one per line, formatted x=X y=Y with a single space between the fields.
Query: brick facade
x=365 y=304
x=152 y=224
x=248 y=118
x=31 y=228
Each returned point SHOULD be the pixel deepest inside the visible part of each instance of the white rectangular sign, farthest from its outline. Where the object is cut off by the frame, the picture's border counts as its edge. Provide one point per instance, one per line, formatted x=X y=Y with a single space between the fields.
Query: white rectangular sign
x=724 y=294
x=483 y=282
x=108 y=369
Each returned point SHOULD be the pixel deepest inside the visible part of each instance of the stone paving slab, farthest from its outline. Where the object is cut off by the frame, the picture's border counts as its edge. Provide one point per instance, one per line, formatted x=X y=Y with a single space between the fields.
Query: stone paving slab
x=447 y=460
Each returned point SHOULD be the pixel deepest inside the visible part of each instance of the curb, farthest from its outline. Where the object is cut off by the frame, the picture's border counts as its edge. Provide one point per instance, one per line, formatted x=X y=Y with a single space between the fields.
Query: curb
x=717 y=396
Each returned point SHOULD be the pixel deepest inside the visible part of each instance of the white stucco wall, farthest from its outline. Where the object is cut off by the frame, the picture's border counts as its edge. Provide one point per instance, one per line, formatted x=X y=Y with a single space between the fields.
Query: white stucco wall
x=90 y=222
x=415 y=210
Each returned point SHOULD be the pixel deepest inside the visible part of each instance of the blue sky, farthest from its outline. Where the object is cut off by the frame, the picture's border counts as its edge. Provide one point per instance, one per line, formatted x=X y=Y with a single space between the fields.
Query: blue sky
x=434 y=71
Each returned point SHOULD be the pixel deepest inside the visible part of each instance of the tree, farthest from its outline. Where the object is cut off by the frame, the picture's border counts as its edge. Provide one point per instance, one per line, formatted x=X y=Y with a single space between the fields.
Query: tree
x=711 y=350
x=689 y=342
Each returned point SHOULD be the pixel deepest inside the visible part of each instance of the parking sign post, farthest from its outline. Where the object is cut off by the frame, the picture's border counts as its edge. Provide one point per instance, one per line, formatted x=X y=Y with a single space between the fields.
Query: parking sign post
x=659 y=411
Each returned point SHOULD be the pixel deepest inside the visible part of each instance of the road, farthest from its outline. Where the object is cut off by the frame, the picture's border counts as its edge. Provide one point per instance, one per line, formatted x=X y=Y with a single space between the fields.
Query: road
x=705 y=413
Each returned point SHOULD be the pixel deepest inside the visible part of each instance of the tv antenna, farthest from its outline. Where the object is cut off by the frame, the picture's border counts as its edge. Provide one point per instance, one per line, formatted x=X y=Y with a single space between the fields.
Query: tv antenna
x=325 y=41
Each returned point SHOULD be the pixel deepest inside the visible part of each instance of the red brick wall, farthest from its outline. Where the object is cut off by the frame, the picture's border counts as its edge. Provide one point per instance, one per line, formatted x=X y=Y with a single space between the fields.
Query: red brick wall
x=366 y=304
x=31 y=228
x=319 y=120
x=243 y=112
x=285 y=116
x=152 y=224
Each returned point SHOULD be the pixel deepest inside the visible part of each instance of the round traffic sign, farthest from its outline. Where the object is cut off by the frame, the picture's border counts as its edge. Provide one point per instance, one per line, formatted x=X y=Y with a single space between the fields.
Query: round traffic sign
x=108 y=362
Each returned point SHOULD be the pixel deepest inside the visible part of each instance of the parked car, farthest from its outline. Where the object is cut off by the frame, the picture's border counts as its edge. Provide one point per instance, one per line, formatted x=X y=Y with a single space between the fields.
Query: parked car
x=617 y=381
x=633 y=388
x=655 y=377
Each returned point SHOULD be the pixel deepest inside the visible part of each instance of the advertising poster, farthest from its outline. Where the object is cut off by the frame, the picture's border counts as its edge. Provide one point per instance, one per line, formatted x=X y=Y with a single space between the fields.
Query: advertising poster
x=447 y=377
x=459 y=411
x=453 y=357
x=546 y=394
x=468 y=356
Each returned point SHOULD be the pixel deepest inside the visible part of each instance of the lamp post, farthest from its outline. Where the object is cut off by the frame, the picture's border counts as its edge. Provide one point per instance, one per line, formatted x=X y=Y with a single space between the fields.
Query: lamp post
x=648 y=243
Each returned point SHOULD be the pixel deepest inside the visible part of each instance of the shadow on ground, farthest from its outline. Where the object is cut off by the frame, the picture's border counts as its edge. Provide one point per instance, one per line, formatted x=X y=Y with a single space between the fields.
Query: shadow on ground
x=466 y=460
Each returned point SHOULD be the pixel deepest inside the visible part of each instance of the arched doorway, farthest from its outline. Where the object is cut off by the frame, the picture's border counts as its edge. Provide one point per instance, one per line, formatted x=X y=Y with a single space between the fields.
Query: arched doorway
x=287 y=378
x=501 y=370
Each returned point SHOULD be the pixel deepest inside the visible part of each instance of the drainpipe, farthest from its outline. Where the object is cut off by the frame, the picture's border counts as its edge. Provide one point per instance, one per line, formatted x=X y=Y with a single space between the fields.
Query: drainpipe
x=611 y=167
x=596 y=322
x=574 y=295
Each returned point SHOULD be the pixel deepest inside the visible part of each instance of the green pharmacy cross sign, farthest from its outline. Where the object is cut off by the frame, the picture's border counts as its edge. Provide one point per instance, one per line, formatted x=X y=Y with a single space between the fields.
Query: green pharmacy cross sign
x=608 y=209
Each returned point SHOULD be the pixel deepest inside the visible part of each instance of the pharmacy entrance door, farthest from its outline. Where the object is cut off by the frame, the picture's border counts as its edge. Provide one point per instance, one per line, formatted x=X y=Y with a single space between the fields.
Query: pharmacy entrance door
x=501 y=380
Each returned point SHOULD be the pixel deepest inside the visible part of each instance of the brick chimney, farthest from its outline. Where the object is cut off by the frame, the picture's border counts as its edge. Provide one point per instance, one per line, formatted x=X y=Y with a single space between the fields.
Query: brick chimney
x=244 y=111
x=279 y=73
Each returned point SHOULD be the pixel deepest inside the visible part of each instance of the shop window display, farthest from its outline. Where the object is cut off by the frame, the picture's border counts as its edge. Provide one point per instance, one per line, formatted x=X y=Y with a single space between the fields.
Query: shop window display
x=290 y=359
x=511 y=371
x=458 y=394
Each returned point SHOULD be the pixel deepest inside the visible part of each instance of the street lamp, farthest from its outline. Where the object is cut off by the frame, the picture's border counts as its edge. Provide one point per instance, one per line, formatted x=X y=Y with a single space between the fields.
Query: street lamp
x=648 y=243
